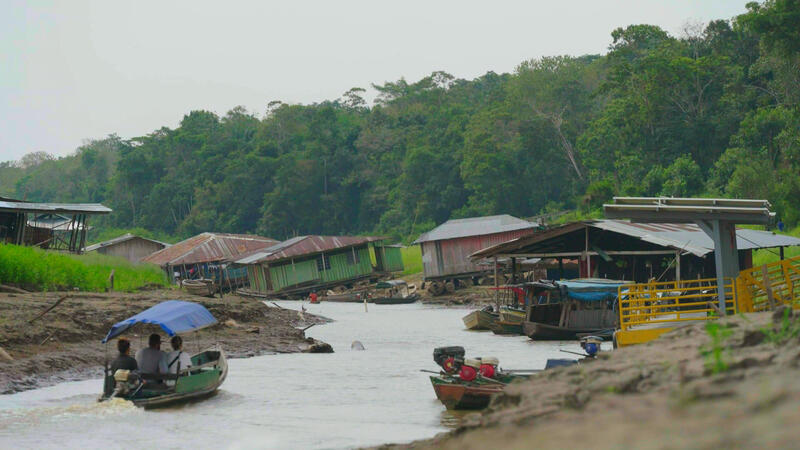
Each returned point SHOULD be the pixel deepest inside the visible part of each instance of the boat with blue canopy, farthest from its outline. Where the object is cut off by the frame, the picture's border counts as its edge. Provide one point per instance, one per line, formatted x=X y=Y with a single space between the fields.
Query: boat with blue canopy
x=203 y=377
x=568 y=309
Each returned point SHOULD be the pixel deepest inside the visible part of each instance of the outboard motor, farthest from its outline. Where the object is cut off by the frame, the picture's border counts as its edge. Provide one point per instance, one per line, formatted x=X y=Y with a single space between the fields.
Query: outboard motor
x=591 y=345
x=488 y=366
x=126 y=382
x=469 y=371
x=449 y=358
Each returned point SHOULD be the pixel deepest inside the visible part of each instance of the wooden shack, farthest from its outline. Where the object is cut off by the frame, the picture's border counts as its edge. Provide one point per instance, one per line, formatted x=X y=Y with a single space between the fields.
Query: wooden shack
x=208 y=255
x=446 y=248
x=309 y=263
x=128 y=246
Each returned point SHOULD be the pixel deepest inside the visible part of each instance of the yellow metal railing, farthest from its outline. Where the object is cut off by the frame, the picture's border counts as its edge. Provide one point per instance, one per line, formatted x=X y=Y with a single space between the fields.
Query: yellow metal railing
x=764 y=287
x=660 y=303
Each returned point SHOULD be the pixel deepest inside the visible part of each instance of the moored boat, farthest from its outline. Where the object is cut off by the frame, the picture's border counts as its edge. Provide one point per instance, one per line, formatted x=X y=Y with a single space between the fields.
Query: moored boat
x=203 y=287
x=394 y=292
x=566 y=310
x=506 y=328
x=202 y=378
x=455 y=394
x=481 y=319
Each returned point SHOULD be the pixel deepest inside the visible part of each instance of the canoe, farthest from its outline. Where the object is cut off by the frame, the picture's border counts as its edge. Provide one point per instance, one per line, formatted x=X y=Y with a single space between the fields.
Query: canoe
x=202 y=287
x=348 y=297
x=201 y=379
x=455 y=394
x=479 y=320
x=506 y=328
x=396 y=300
x=512 y=315
x=207 y=372
x=544 y=332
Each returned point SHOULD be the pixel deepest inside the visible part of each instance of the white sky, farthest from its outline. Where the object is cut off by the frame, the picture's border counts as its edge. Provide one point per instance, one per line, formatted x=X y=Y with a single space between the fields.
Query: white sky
x=73 y=70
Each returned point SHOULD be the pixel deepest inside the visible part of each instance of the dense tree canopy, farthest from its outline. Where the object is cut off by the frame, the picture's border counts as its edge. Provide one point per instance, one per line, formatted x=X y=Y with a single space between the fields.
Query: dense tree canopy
x=714 y=111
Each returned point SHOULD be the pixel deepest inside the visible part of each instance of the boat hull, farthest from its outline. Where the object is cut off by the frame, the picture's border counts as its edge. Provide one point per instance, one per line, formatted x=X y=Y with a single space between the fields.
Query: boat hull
x=479 y=320
x=204 y=383
x=455 y=395
x=396 y=300
x=202 y=288
x=544 y=332
x=506 y=328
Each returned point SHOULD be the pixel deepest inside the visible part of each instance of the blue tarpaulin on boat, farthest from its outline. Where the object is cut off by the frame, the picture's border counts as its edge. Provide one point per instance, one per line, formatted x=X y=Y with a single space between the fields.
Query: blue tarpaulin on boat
x=590 y=291
x=173 y=316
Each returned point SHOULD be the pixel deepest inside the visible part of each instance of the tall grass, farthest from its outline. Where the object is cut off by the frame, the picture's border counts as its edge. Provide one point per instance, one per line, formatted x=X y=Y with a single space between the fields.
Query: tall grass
x=412 y=259
x=765 y=256
x=45 y=270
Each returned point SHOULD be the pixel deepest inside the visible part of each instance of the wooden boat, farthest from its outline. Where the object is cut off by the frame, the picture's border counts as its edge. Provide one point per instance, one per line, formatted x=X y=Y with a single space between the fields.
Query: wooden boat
x=563 y=310
x=207 y=372
x=480 y=319
x=397 y=300
x=506 y=328
x=512 y=315
x=203 y=287
x=394 y=292
x=347 y=297
x=455 y=394
x=545 y=332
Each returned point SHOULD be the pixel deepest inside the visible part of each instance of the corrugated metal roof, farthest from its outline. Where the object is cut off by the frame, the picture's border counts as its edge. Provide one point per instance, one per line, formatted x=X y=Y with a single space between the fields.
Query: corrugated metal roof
x=120 y=239
x=689 y=237
x=474 y=226
x=680 y=236
x=207 y=247
x=304 y=245
x=74 y=208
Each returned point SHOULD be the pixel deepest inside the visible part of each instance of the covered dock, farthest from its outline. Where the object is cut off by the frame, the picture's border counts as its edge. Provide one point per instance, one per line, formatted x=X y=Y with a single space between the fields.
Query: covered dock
x=67 y=232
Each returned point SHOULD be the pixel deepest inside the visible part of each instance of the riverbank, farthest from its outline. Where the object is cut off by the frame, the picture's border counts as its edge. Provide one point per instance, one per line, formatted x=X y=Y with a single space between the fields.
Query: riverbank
x=64 y=344
x=733 y=383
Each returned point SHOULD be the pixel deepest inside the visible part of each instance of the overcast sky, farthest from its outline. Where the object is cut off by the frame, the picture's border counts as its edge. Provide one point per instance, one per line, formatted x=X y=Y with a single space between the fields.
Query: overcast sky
x=73 y=70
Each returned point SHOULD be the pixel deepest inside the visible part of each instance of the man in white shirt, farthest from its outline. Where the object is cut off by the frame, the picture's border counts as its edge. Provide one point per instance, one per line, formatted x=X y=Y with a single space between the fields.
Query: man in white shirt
x=177 y=357
x=151 y=359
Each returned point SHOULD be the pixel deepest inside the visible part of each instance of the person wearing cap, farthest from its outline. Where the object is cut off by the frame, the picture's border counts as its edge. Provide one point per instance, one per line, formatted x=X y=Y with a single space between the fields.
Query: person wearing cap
x=151 y=359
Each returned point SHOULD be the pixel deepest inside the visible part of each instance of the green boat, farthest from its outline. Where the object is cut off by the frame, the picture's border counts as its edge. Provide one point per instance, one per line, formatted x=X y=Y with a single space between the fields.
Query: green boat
x=207 y=372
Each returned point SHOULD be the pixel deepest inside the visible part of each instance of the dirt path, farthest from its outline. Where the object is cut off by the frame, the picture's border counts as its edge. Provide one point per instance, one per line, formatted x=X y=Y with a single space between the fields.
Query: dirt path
x=664 y=394
x=64 y=344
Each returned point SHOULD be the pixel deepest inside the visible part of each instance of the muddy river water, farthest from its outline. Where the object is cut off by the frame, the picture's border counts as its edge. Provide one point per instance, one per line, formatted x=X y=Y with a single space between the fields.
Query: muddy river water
x=346 y=399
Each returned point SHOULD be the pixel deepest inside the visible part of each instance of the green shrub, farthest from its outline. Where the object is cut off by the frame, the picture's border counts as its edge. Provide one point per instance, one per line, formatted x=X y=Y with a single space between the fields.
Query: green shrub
x=49 y=270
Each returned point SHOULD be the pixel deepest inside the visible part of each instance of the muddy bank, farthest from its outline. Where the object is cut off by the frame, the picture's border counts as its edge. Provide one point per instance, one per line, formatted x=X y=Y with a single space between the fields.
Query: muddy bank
x=64 y=344
x=670 y=393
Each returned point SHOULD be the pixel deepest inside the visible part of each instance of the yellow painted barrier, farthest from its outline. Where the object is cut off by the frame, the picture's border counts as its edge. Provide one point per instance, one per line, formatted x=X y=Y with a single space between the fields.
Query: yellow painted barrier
x=764 y=287
x=647 y=310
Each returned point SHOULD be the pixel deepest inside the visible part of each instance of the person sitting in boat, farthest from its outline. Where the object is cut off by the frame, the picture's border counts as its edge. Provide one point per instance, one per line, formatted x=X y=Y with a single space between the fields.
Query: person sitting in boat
x=177 y=357
x=124 y=360
x=151 y=359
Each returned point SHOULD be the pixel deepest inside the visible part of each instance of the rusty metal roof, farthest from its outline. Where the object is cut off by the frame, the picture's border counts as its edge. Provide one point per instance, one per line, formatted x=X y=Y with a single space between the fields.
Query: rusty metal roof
x=680 y=236
x=207 y=247
x=304 y=245
x=474 y=226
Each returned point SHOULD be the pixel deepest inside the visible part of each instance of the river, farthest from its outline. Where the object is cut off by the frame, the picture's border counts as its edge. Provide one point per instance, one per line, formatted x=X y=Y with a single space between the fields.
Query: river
x=341 y=400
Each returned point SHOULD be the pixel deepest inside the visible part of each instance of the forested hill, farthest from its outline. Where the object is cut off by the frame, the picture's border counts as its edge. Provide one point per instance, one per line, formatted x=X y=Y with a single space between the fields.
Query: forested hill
x=712 y=112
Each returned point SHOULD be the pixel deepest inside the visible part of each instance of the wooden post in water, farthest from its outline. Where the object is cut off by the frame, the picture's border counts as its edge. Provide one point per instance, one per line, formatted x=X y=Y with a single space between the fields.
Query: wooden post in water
x=496 y=291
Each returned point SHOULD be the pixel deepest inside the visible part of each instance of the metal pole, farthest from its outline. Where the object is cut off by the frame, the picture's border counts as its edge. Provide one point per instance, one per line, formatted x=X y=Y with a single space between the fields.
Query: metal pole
x=677 y=266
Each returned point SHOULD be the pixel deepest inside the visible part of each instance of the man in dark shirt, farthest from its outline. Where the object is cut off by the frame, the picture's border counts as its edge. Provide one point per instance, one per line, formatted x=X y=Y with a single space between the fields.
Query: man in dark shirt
x=124 y=360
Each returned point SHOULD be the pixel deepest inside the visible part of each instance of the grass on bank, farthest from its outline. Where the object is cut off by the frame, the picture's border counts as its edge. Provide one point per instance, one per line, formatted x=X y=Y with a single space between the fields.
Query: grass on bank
x=765 y=256
x=412 y=259
x=47 y=270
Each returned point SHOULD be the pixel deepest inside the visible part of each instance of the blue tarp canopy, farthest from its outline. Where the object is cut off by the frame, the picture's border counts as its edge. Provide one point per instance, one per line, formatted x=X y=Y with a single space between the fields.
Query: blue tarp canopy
x=173 y=316
x=592 y=290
